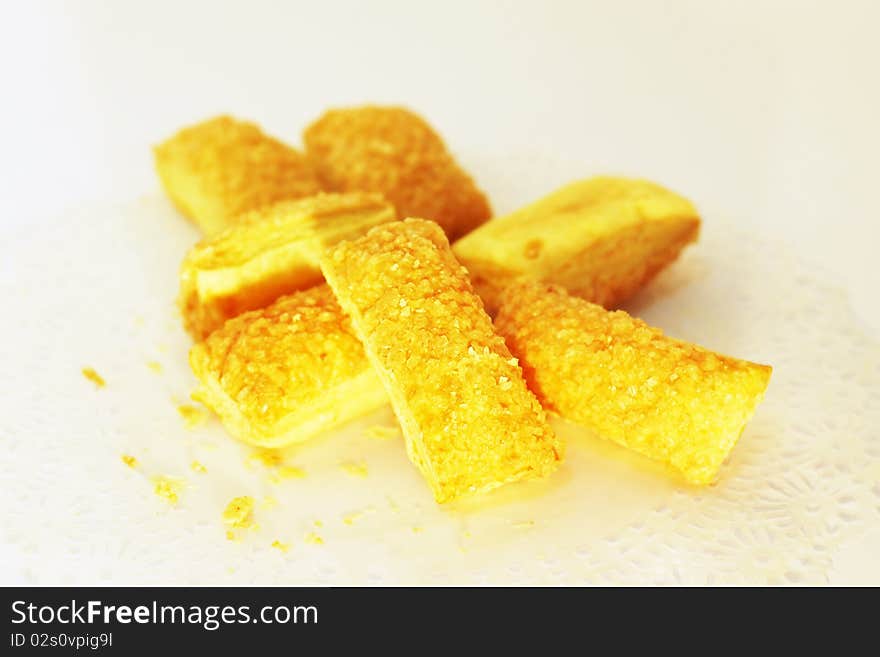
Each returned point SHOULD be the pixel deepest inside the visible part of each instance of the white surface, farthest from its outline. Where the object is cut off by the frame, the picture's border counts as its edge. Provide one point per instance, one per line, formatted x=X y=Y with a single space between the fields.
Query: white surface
x=763 y=113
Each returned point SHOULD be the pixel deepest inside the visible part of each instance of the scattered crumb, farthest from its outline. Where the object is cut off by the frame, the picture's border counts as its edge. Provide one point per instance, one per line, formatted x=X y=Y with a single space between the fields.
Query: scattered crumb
x=163 y=348
x=354 y=469
x=129 y=460
x=195 y=466
x=393 y=505
x=418 y=530
x=168 y=488
x=94 y=377
x=314 y=539
x=192 y=415
x=239 y=512
x=318 y=523
x=354 y=516
x=382 y=432
x=269 y=502
x=231 y=536
x=466 y=534
x=278 y=545
x=287 y=472
x=526 y=524
x=155 y=366
x=268 y=457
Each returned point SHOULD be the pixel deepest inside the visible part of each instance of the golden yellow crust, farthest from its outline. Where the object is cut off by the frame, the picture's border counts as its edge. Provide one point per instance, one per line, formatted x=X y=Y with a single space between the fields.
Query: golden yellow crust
x=218 y=169
x=669 y=400
x=469 y=421
x=284 y=373
x=602 y=239
x=395 y=152
x=270 y=252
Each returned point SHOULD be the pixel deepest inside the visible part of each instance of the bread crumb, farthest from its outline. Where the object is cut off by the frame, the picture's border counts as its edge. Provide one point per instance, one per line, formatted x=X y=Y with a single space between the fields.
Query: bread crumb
x=239 y=512
x=270 y=458
x=192 y=416
x=168 y=488
x=129 y=460
x=354 y=469
x=94 y=377
x=417 y=529
x=319 y=523
x=155 y=366
x=195 y=466
x=278 y=545
x=313 y=539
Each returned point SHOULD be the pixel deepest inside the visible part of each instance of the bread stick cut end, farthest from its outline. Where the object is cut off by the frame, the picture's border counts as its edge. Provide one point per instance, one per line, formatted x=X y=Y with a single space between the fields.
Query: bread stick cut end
x=283 y=374
x=268 y=253
x=667 y=399
x=395 y=152
x=469 y=421
x=218 y=169
x=602 y=239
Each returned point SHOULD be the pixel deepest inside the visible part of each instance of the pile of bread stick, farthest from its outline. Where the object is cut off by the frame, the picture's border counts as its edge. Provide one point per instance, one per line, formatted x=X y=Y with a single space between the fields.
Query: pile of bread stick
x=368 y=269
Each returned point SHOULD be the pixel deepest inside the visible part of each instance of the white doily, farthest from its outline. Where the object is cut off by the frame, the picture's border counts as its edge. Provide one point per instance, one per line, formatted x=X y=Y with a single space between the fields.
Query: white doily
x=96 y=288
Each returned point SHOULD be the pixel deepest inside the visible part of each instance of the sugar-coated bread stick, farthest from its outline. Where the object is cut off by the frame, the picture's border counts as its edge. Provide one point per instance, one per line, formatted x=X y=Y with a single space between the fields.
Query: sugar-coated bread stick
x=602 y=239
x=469 y=421
x=284 y=373
x=268 y=253
x=218 y=169
x=395 y=152
x=669 y=400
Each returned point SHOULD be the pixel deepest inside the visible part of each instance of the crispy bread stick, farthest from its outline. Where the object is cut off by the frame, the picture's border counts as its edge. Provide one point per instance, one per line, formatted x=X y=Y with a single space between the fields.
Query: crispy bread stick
x=284 y=373
x=469 y=421
x=395 y=152
x=666 y=399
x=270 y=252
x=216 y=170
x=602 y=239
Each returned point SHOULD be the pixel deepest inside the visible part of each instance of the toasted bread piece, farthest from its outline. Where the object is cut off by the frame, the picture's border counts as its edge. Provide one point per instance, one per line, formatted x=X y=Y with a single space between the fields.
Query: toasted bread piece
x=469 y=421
x=270 y=252
x=669 y=400
x=602 y=239
x=282 y=374
x=218 y=169
x=395 y=152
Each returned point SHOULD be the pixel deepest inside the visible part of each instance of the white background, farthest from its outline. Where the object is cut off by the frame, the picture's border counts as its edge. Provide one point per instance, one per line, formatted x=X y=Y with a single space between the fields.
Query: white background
x=772 y=106
x=768 y=112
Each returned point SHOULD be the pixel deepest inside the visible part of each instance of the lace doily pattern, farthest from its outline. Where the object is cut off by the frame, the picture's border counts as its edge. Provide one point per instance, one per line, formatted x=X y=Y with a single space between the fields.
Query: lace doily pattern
x=97 y=289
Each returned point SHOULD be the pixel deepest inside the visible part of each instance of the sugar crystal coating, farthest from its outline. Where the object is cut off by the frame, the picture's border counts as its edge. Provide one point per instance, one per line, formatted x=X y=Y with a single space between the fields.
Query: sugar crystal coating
x=469 y=421
x=667 y=399
x=394 y=151
x=284 y=373
x=219 y=168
